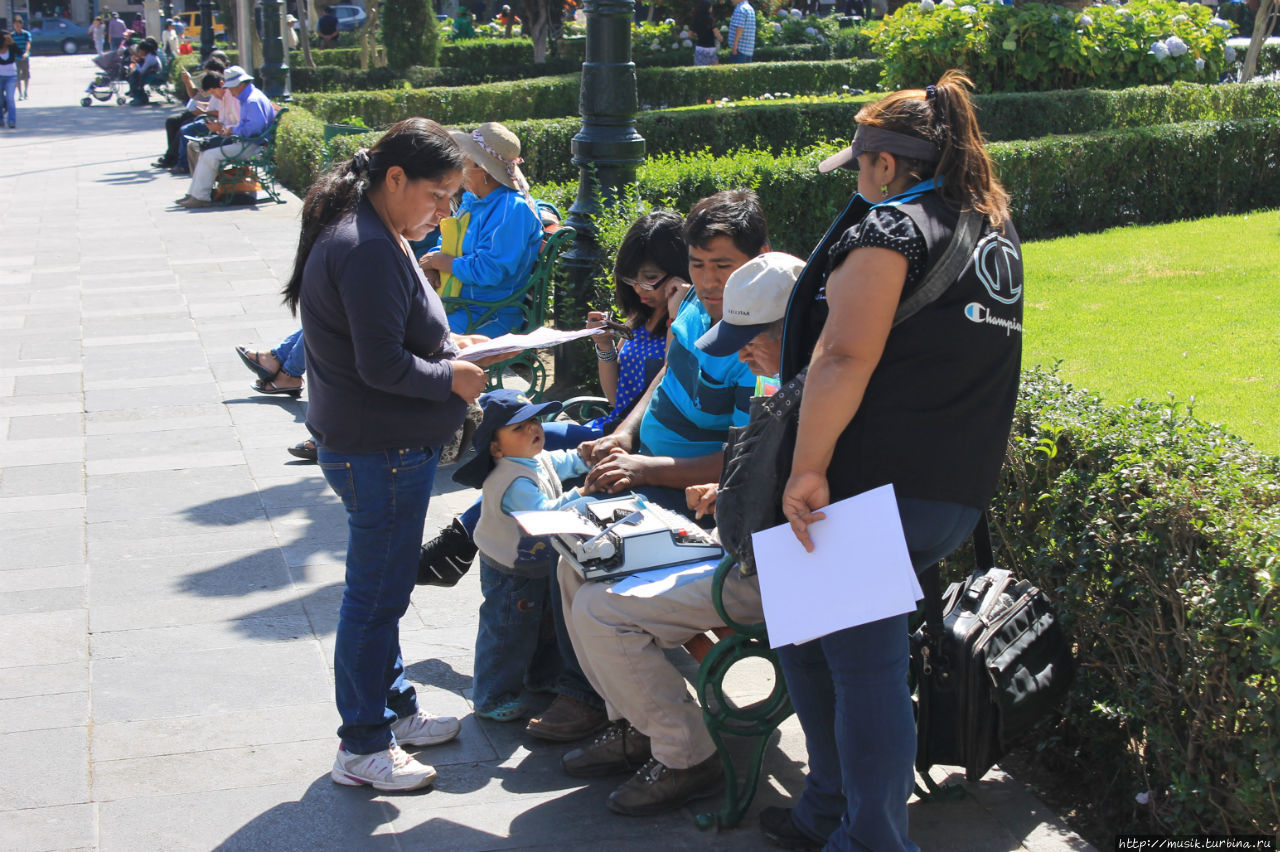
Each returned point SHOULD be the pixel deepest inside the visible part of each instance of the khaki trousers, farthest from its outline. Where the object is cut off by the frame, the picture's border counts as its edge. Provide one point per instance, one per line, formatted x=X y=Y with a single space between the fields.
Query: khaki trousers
x=619 y=640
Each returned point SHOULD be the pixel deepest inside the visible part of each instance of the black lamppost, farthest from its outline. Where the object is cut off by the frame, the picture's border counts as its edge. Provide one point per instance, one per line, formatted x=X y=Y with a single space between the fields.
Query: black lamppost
x=206 y=29
x=606 y=150
x=275 y=61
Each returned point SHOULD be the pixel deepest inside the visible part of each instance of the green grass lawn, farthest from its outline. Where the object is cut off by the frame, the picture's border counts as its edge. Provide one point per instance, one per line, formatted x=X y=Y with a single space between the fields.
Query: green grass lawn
x=1191 y=309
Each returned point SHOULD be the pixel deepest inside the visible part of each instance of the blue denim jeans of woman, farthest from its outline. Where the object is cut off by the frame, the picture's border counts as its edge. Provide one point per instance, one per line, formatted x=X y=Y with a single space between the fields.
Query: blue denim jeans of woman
x=8 y=100
x=385 y=495
x=515 y=644
x=292 y=355
x=850 y=693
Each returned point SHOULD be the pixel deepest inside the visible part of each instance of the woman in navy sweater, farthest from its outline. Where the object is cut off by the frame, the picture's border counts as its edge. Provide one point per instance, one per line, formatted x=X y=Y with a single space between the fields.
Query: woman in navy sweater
x=386 y=392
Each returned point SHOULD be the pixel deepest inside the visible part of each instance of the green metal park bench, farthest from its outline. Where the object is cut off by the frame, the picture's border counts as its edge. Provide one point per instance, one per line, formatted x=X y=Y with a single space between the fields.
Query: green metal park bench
x=245 y=165
x=532 y=301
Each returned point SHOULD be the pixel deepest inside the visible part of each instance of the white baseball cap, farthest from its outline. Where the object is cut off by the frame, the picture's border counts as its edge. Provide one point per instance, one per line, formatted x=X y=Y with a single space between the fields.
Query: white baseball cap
x=755 y=295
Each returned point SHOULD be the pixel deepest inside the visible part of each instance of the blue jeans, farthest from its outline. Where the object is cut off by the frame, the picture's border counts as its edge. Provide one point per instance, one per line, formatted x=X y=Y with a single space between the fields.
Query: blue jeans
x=8 y=100
x=850 y=693
x=515 y=645
x=292 y=355
x=505 y=321
x=385 y=495
x=196 y=129
x=738 y=58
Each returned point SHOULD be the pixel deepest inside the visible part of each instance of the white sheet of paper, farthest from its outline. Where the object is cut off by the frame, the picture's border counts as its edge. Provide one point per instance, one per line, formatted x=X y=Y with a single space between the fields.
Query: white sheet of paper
x=657 y=581
x=859 y=570
x=554 y=523
x=511 y=343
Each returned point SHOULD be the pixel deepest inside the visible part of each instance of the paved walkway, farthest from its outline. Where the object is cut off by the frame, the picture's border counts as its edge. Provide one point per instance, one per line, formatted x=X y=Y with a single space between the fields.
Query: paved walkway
x=169 y=577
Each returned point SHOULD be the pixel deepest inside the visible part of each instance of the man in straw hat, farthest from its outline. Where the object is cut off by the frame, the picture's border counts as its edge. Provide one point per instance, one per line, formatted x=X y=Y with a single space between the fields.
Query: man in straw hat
x=503 y=231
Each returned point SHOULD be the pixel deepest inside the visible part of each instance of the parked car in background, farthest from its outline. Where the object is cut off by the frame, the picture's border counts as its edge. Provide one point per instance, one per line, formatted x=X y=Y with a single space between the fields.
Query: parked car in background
x=191 y=20
x=58 y=35
x=349 y=17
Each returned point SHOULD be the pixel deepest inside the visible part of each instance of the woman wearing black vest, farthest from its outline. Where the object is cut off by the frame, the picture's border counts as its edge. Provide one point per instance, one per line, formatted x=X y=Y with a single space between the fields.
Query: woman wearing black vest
x=386 y=391
x=925 y=405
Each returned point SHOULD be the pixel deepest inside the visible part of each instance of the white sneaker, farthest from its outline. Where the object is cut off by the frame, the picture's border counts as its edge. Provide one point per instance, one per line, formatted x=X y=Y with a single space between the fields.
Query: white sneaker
x=391 y=770
x=423 y=729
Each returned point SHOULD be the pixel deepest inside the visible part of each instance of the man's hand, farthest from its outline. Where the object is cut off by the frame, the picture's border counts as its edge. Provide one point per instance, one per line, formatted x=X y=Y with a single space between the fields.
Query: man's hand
x=468 y=380
x=701 y=499
x=618 y=471
x=593 y=451
x=676 y=289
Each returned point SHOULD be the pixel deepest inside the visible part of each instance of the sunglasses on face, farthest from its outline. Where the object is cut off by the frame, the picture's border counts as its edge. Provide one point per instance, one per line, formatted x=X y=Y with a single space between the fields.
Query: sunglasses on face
x=647 y=285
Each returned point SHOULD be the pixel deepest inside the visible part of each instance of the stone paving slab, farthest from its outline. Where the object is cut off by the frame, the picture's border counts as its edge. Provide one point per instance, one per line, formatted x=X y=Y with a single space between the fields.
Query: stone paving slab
x=170 y=578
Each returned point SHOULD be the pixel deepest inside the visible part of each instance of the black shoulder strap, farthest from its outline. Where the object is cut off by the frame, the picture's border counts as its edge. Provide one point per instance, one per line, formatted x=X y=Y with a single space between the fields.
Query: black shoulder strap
x=930 y=583
x=944 y=272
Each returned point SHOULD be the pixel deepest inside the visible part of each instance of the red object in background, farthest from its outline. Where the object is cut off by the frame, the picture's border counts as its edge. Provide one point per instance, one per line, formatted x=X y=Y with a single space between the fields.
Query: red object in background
x=184 y=49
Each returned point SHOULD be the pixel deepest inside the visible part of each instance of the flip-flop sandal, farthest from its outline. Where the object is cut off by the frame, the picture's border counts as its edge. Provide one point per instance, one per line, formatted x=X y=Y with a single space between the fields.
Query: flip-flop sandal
x=508 y=712
x=252 y=363
x=271 y=389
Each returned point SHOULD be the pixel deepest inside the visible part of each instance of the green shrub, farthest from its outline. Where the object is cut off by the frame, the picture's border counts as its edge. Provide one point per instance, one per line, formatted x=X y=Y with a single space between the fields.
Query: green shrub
x=1159 y=538
x=1036 y=47
x=763 y=125
x=299 y=149
x=554 y=97
x=1060 y=185
x=410 y=34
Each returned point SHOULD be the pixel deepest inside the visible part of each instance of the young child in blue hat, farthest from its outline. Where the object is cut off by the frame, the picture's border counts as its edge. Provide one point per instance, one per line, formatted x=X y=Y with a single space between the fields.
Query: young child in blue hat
x=515 y=647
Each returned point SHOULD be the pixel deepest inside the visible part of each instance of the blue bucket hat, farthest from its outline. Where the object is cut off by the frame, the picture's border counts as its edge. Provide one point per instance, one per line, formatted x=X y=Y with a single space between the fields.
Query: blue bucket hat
x=502 y=407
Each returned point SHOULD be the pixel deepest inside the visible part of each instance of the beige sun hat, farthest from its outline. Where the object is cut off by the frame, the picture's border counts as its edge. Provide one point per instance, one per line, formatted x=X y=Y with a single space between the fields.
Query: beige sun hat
x=496 y=150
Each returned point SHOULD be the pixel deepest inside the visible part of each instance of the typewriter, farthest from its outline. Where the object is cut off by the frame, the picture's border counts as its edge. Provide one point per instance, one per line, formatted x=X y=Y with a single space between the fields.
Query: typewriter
x=634 y=535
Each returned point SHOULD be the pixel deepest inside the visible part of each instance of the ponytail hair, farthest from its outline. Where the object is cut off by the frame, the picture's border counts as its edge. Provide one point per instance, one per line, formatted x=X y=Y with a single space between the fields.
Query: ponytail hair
x=943 y=115
x=419 y=146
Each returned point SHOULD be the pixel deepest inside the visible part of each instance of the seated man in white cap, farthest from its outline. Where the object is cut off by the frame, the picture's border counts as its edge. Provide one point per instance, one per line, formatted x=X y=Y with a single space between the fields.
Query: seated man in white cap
x=656 y=725
x=256 y=115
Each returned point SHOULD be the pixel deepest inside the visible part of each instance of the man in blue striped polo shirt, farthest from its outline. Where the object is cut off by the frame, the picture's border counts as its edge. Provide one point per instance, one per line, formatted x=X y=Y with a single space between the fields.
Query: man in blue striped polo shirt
x=742 y=32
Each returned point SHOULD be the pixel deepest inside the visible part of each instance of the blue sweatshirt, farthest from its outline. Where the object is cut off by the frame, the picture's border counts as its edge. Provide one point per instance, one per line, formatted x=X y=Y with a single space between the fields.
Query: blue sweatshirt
x=498 y=252
x=377 y=343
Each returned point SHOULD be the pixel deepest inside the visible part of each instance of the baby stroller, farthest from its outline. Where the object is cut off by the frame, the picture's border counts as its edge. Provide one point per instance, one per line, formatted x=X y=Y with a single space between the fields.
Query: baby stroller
x=111 y=81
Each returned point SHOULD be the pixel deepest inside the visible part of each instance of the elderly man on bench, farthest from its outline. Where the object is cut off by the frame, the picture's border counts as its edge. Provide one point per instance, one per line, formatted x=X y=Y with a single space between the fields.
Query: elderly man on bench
x=256 y=115
x=619 y=638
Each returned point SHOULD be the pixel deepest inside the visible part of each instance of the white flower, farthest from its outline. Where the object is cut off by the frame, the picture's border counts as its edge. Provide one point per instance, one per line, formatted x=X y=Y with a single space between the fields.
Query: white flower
x=796 y=13
x=724 y=100
x=1177 y=47
x=684 y=34
x=926 y=5
x=670 y=22
x=1086 y=21
x=1218 y=22
x=844 y=88
x=1230 y=54
x=786 y=94
x=777 y=27
x=687 y=42
x=1178 y=19
x=947 y=4
x=810 y=31
x=1054 y=17
x=675 y=45
x=969 y=10
x=654 y=45
x=1160 y=51
x=1199 y=64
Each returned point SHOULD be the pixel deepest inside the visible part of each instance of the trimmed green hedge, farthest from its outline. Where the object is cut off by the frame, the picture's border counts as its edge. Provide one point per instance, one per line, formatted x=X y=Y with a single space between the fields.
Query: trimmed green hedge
x=555 y=97
x=1159 y=538
x=1060 y=184
x=299 y=149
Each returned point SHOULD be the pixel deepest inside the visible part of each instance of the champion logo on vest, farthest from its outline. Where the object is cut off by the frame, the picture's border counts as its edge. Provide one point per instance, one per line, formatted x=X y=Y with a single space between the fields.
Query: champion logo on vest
x=993 y=260
x=981 y=314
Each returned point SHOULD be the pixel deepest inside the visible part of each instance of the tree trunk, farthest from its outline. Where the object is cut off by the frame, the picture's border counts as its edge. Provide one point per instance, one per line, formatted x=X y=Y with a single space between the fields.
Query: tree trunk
x=537 y=22
x=304 y=32
x=1261 y=29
